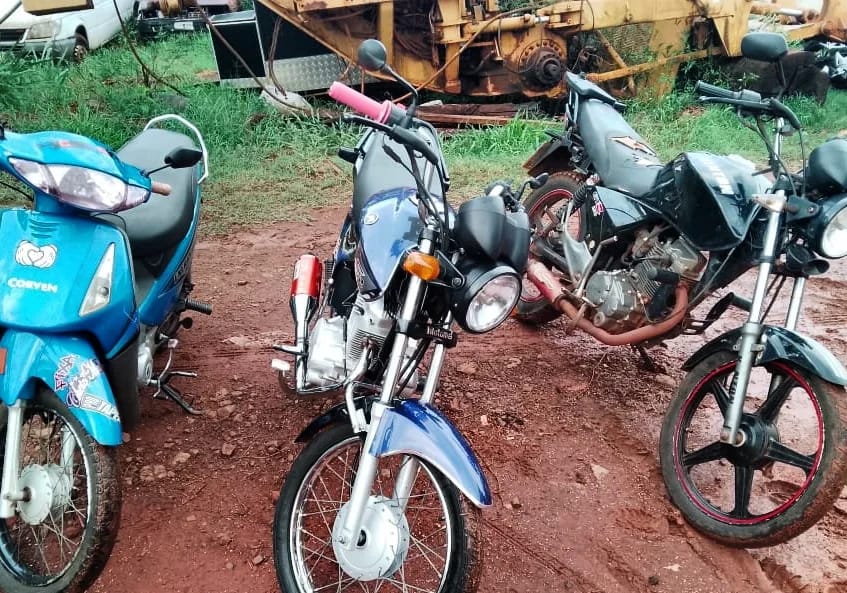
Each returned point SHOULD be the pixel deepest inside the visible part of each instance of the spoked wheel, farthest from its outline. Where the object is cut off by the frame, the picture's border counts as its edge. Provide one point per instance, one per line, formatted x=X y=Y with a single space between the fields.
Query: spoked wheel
x=63 y=531
x=430 y=544
x=544 y=208
x=782 y=479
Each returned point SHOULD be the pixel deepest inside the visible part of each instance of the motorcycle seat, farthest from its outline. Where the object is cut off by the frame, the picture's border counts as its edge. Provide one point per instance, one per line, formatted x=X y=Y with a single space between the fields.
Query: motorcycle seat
x=162 y=221
x=622 y=158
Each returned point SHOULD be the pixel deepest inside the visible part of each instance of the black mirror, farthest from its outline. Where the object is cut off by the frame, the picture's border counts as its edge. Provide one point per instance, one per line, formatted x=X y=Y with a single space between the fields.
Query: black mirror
x=182 y=158
x=765 y=47
x=372 y=55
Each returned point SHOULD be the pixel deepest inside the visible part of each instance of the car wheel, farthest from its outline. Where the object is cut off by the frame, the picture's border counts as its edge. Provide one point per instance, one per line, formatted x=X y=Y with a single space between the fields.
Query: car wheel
x=80 y=50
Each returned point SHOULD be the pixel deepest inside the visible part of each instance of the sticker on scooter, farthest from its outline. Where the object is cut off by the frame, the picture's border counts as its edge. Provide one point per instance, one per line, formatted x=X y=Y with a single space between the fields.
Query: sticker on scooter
x=77 y=383
x=28 y=254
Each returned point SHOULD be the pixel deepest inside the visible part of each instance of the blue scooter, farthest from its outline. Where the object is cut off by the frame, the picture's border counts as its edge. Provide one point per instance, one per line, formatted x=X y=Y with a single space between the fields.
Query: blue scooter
x=94 y=279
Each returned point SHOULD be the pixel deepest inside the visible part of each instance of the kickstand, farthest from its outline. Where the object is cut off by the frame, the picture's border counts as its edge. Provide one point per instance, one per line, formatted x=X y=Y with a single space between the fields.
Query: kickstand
x=647 y=361
x=177 y=398
x=164 y=390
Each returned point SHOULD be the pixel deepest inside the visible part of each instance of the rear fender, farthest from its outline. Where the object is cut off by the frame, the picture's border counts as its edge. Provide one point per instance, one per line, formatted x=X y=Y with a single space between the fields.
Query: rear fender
x=68 y=366
x=412 y=428
x=780 y=344
x=552 y=156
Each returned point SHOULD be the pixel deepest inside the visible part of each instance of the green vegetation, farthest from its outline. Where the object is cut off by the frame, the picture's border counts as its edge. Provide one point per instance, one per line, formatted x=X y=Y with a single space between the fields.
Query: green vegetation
x=267 y=167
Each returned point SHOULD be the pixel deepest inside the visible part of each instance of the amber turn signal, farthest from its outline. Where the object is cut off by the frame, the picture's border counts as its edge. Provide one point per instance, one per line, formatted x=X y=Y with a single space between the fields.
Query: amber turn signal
x=2 y=361
x=422 y=265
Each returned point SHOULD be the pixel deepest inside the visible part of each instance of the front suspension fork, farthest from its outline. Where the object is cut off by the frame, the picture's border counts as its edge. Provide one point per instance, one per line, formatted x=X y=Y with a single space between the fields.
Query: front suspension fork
x=751 y=331
x=10 y=493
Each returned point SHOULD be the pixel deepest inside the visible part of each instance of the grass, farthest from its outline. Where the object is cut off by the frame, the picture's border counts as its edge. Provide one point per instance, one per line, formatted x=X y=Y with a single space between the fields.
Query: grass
x=266 y=167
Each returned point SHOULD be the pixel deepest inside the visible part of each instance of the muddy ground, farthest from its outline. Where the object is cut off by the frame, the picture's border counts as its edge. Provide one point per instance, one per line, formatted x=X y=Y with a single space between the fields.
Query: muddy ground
x=567 y=430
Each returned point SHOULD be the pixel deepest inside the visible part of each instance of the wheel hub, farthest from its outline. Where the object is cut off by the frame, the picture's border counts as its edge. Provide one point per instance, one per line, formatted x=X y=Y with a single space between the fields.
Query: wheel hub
x=757 y=436
x=48 y=491
x=382 y=543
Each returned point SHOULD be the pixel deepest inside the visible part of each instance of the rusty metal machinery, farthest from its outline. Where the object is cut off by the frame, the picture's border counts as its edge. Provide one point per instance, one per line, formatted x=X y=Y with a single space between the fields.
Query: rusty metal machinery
x=480 y=47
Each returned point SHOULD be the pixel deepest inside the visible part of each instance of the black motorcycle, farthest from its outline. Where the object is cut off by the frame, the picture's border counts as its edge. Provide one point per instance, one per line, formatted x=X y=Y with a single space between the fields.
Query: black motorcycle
x=753 y=447
x=379 y=497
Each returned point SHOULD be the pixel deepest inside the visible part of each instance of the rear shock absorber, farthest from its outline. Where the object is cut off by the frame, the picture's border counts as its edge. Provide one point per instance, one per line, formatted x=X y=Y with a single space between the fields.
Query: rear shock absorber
x=305 y=295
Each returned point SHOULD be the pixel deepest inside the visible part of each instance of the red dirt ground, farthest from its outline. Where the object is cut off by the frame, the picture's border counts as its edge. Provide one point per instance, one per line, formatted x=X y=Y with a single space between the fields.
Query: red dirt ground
x=568 y=443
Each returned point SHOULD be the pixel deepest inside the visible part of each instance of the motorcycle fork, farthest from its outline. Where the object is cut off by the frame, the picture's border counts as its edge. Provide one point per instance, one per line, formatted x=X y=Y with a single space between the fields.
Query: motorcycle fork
x=751 y=331
x=368 y=464
x=10 y=493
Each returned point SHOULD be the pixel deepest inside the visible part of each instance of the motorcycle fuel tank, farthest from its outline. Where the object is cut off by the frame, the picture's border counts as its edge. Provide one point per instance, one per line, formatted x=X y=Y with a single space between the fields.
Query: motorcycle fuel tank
x=708 y=198
x=47 y=265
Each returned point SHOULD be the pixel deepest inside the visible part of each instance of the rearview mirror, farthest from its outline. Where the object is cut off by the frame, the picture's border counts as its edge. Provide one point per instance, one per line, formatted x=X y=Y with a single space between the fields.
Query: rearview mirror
x=372 y=55
x=765 y=47
x=182 y=158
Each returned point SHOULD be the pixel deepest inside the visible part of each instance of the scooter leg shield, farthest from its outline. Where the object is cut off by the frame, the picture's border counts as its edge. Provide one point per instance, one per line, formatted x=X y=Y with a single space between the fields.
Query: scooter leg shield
x=417 y=429
x=68 y=366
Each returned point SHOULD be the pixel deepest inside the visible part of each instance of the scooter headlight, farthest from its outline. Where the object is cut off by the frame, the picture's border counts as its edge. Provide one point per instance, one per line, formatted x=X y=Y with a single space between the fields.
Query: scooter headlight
x=84 y=188
x=487 y=298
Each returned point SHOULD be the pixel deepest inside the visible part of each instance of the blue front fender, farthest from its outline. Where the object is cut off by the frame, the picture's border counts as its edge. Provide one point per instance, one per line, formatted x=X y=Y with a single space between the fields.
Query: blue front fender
x=417 y=429
x=68 y=366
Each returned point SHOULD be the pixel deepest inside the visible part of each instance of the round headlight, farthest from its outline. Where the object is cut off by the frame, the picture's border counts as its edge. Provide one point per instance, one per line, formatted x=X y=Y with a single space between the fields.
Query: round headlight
x=487 y=298
x=833 y=237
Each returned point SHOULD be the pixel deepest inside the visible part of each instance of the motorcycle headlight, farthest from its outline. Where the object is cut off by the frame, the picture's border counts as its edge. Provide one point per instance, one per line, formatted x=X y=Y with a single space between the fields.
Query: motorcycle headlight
x=84 y=188
x=487 y=298
x=830 y=229
x=43 y=30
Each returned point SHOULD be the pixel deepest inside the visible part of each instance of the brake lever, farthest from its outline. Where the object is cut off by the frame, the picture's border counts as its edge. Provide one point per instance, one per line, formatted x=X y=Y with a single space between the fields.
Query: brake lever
x=352 y=118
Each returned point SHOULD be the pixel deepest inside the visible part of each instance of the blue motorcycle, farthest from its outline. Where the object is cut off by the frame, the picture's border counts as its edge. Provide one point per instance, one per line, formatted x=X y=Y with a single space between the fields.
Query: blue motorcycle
x=94 y=279
x=385 y=494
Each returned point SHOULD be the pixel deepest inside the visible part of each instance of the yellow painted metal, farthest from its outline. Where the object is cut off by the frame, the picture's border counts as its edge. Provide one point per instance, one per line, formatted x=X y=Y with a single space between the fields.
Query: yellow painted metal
x=55 y=6
x=473 y=47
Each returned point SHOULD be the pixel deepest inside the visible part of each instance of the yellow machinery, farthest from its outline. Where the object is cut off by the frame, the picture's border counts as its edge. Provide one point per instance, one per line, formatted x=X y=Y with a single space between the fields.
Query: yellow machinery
x=486 y=47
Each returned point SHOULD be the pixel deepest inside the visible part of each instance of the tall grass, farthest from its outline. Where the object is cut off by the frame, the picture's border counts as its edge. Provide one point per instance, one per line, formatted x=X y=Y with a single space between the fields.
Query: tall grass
x=266 y=167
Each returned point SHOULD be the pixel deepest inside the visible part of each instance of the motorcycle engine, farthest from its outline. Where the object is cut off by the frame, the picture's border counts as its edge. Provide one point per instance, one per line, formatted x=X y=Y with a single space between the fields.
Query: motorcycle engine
x=336 y=343
x=621 y=299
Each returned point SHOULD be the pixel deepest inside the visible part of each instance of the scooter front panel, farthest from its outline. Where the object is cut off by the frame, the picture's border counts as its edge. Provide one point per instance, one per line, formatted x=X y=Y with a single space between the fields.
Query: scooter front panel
x=47 y=264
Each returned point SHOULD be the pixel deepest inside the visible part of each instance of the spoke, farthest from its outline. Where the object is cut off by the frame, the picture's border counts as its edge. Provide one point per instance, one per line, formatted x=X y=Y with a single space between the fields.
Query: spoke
x=711 y=452
x=743 y=489
x=776 y=398
x=404 y=586
x=319 y=553
x=722 y=396
x=423 y=549
x=784 y=454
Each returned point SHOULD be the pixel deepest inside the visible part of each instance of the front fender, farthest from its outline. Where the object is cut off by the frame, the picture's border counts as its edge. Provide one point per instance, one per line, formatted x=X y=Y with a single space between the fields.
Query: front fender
x=417 y=429
x=780 y=344
x=68 y=366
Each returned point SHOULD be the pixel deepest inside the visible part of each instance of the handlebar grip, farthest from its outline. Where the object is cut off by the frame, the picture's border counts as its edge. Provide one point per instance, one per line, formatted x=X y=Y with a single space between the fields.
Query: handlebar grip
x=157 y=187
x=385 y=112
x=711 y=90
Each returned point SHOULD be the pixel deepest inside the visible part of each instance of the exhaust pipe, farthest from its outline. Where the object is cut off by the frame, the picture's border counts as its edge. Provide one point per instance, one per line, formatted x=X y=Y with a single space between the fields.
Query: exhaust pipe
x=549 y=286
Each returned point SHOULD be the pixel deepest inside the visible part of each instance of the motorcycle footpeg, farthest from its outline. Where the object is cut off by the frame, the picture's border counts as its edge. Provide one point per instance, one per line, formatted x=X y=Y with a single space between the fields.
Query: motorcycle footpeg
x=168 y=392
x=285 y=377
x=199 y=306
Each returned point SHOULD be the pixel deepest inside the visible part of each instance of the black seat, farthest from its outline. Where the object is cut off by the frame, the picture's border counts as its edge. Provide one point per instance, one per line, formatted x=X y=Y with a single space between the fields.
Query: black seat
x=378 y=172
x=622 y=159
x=163 y=221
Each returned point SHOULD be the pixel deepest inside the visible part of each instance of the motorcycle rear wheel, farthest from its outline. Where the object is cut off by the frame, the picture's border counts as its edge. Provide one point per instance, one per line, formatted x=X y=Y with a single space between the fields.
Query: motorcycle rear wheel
x=542 y=207
x=68 y=548
x=437 y=518
x=782 y=480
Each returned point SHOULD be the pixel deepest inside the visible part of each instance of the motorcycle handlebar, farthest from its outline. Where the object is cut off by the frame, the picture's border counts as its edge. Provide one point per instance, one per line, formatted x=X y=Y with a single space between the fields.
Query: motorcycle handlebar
x=710 y=90
x=772 y=106
x=158 y=187
x=383 y=113
x=401 y=135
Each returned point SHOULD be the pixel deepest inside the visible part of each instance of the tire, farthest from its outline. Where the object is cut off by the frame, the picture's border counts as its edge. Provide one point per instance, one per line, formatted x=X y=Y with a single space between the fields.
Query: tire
x=95 y=537
x=80 y=49
x=771 y=500
x=462 y=561
x=532 y=307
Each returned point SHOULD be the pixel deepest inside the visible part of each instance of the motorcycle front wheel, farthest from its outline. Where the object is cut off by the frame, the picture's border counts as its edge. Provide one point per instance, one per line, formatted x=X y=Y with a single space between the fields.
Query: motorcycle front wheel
x=62 y=534
x=785 y=476
x=430 y=546
x=544 y=209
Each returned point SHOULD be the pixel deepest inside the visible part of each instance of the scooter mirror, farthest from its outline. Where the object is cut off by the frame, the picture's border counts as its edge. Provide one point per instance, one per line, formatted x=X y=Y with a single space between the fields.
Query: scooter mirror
x=182 y=158
x=372 y=55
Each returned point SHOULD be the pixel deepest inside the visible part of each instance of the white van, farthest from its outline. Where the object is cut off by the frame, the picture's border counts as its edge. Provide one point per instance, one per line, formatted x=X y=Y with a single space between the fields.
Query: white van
x=67 y=35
